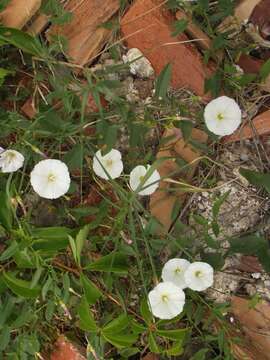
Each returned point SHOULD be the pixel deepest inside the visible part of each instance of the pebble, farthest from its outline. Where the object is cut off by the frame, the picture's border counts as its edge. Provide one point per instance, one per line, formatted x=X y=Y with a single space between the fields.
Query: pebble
x=140 y=67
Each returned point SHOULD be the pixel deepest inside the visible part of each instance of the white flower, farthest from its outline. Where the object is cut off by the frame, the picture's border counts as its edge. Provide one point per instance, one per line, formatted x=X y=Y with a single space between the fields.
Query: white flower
x=166 y=300
x=222 y=116
x=199 y=276
x=111 y=162
x=139 y=64
x=50 y=178
x=10 y=160
x=137 y=177
x=174 y=271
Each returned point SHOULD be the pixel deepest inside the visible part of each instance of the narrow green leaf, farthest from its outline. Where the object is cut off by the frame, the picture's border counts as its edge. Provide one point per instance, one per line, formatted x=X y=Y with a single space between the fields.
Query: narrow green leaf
x=5 y=211
x=91 y=292
x=153 y=346
x=20 y=287
x=163 y=82
x=115 y=262
x=265 y=70
x=73 y=247
x=10 y=251
x=252 y=245
x=117 y=325
x=175 y=350
x=256 y=178
x=178 y=334
x=145 y=311
x=21 y=40
x=5 y=336
x=87 y=322
x=179 y=26
x=120 y=340
x=80 y=240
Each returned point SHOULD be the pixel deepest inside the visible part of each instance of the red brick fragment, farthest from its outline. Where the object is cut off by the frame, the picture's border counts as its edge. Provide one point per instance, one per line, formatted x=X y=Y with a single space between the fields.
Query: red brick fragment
x=260 y=126
x=65 y=350
x=148 y=26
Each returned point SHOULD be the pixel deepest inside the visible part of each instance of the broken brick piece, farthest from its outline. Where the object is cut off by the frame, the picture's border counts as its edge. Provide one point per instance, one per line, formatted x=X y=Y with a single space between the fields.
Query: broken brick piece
x=84 y=32
x=162 y=202
x=65 y=350
x=19 y=12
x=260 y=126
x=147 y=25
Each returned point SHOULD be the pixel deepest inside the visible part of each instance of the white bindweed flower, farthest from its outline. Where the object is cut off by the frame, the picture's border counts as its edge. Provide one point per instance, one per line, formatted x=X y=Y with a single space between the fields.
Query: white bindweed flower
x=166 y=300
x=222 y=116
x=10 y=160
x=199 y=276
x=137 y=177
x=174 y=271
x=111 y=162
x=50 y=178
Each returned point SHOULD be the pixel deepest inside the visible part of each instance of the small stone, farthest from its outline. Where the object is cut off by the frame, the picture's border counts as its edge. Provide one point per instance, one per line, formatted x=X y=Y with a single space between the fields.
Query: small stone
x=140 y=67
x=256 y=275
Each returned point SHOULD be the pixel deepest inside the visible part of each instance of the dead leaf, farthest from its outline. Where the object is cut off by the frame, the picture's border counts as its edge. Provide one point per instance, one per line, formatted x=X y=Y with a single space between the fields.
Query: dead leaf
x=260 y=18
x=162 y=201
x=260 y=126
x=255 y=324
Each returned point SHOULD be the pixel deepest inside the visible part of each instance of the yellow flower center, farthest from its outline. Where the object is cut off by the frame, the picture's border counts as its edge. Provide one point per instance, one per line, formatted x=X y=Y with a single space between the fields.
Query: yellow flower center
x=141 y=179
x=220 y=116
x=177 y=270
x=109 y=163
x=51 y=177
x=164 y=298
x=198 y=274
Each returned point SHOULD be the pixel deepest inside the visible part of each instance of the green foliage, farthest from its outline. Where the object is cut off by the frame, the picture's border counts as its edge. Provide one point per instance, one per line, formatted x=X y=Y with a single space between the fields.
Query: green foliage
x=163 y=82
x=85 y=262
x=252 y=245
x=256 y=178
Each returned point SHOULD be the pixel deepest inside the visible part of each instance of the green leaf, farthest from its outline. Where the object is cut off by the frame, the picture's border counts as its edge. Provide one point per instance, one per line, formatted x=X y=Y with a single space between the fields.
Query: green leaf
x=218 y=203
x=163 y=82
x=252 y=245
x=214 y=259
x=21 y=40
x=5 y=211
x=178 y=334
x=74 y=157
x=21 y=287
x=10 y=251
x=87 y=322
x=129 y=352
x=176 y=349
x=115 y=262
x=153 y=346
x=80 y=240
x=50 y=239
x=91 y=292
x=200 y=355
x=117 y=325
x=179 y=26
x=256 y=178
x=3 y=74
x=4 y=337
x=120 y=340
x=186 y=127
x=145 y=311
x=265 y=70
